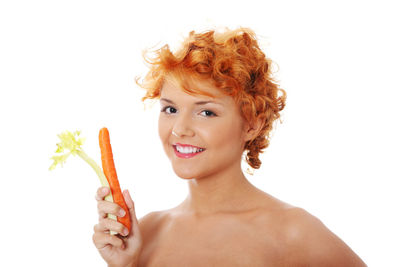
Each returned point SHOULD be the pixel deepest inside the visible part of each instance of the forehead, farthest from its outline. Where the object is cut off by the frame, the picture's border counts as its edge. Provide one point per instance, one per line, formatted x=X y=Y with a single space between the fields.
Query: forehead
x=203 y=89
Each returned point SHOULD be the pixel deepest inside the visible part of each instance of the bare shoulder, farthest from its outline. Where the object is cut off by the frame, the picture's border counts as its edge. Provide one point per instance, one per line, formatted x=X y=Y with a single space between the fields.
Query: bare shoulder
x=312 y=243
x=150 y=221
x=149 y=217
x=301 y=235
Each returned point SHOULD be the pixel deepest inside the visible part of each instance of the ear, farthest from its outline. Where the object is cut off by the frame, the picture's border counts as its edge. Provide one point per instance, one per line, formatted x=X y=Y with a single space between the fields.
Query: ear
x=253 y=130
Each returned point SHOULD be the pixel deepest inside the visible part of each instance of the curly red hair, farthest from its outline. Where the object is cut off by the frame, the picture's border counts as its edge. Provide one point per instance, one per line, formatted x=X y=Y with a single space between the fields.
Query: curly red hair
x=233 y=61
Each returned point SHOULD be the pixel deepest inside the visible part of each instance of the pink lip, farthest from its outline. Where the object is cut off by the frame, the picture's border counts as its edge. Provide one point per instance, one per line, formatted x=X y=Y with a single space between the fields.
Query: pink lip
x=186 y=156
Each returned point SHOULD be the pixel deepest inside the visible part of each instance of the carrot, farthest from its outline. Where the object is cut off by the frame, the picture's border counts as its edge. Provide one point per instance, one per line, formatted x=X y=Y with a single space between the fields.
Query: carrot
x=111 y=175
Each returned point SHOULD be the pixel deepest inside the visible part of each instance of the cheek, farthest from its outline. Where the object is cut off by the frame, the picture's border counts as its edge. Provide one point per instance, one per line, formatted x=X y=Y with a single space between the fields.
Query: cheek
x=225 y=136
x=163 y=130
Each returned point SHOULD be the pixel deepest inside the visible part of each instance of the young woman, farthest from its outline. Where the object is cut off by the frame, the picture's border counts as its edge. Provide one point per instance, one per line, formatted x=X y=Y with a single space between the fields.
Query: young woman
x=218 y=102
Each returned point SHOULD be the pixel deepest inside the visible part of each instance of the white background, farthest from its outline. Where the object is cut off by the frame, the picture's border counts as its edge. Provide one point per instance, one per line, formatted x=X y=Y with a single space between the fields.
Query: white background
x=68 y=65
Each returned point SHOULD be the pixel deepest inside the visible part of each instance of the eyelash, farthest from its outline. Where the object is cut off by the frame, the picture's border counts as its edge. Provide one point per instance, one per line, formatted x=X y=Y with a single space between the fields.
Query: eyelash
x=165 y=108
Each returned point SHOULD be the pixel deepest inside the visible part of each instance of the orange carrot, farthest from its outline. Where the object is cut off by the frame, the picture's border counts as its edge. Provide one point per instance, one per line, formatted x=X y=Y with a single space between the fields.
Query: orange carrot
x=111 y=174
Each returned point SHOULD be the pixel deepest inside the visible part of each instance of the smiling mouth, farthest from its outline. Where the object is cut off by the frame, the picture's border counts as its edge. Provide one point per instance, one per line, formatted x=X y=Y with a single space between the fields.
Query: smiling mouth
x=186 y=152
x=187 y=149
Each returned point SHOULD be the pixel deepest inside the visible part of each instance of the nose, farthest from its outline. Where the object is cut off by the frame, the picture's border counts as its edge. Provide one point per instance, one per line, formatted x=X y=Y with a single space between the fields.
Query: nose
x=183 y=126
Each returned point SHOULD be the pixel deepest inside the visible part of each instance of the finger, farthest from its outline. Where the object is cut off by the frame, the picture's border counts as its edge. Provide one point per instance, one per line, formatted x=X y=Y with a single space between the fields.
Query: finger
x=101 y=240
x=107 y=225
x=131 y=206
x=100 y=228
x=105 y=207
x=102 y=192
x=102 y=215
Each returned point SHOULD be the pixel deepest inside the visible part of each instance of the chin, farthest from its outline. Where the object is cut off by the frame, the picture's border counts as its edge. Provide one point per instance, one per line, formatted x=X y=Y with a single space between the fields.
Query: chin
x=186 y=175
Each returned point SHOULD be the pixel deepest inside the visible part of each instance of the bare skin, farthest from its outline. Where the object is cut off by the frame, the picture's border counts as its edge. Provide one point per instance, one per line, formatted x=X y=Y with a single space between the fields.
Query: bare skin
x=225 y=220
x=271 y=233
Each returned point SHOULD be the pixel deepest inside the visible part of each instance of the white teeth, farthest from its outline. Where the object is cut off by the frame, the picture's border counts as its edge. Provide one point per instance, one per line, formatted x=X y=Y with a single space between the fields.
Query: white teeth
x=188 y=150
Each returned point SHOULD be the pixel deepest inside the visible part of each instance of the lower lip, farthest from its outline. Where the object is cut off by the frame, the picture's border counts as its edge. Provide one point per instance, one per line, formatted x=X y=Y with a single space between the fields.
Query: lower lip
x=186 y=156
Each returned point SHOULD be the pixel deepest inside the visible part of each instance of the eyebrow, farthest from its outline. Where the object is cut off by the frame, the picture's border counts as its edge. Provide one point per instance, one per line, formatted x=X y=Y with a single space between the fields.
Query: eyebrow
x=197 y=103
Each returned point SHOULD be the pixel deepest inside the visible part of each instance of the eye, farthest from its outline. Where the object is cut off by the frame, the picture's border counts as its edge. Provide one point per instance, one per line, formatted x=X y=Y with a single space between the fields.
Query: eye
x=209 y=113
x=172 y=110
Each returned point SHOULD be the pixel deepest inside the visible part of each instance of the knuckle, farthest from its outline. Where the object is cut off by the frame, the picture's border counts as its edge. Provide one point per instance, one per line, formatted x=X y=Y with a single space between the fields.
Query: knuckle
x=101 y=206
x=98 y=192
x=95 y=238
x=104 y=191
x=110 y=207
x=116 y=209
x=101 y=192
x=102 y=215
x=103 y=222
x=99 y=240
x=101 y=226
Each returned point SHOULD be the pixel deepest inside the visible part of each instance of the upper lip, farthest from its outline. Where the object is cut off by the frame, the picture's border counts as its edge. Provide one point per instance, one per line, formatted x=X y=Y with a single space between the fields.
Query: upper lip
x=186 y=145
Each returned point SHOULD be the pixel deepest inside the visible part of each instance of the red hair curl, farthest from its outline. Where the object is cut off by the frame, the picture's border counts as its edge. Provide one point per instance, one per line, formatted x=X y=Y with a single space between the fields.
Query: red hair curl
x=235 y=64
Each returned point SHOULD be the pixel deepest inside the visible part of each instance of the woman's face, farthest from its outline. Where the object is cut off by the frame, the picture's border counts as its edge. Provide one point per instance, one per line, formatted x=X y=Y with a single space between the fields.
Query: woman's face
x=215 y=126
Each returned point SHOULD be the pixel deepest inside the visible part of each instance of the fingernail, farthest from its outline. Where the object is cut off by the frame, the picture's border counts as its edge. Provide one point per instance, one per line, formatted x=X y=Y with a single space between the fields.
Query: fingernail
x=125 y=232
x=104 y=190
x=121 y=213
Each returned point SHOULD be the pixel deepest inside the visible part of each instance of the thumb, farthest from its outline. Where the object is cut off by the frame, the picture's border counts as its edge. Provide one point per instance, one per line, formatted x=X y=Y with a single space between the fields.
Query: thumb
x=131 y=206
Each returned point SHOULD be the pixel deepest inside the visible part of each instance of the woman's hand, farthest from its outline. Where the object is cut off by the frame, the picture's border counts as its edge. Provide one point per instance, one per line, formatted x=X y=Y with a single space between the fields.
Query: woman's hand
x=121 y=249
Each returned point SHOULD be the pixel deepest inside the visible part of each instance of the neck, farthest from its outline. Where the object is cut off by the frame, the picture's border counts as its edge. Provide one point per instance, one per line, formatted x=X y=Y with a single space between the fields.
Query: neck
x=225 y=192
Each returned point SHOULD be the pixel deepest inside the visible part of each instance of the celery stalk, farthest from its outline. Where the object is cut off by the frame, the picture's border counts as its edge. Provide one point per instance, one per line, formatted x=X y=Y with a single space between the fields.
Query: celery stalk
x=70 y=142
